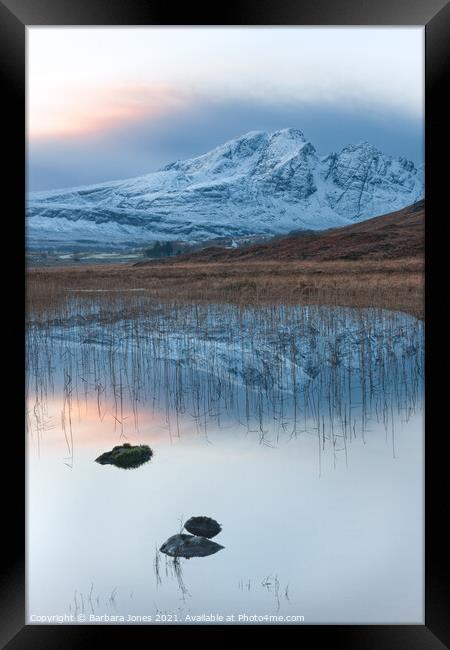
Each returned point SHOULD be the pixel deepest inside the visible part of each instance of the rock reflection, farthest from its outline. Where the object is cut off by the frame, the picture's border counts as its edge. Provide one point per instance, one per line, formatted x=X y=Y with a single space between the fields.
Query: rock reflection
x=187 y=546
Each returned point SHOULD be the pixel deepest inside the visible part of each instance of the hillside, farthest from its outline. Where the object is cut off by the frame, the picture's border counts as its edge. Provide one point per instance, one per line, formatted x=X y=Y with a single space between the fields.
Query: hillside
x=396 y=235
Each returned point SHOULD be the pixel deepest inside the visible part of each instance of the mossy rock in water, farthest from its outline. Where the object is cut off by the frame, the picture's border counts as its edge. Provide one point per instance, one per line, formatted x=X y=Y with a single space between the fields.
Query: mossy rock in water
x=126 y=456
x=203 y=526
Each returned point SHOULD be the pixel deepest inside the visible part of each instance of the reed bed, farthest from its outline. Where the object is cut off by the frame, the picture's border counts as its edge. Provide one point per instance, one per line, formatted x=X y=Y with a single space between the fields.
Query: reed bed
x=276 y=370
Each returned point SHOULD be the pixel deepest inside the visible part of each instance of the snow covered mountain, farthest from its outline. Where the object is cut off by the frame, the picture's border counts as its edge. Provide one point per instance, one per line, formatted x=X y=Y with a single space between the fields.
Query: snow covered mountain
x=259 y=183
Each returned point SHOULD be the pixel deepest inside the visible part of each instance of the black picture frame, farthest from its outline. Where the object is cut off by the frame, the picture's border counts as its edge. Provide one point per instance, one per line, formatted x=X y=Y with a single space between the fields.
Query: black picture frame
x=15 y=16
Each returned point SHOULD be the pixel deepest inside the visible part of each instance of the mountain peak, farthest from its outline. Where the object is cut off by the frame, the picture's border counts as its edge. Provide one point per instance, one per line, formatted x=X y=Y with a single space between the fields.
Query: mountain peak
x=362 y=147
x=290 y=132
x=258 y=183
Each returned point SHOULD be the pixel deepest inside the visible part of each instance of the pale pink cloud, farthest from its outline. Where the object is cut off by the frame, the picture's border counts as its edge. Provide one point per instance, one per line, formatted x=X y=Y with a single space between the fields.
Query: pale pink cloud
x=90 y=109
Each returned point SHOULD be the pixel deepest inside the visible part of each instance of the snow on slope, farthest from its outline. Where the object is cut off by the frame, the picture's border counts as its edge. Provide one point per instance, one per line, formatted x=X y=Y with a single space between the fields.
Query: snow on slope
x=259 y=183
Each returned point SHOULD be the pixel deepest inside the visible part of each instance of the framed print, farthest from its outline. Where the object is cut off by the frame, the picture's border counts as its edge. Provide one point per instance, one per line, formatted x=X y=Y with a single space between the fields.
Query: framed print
x=230 y=411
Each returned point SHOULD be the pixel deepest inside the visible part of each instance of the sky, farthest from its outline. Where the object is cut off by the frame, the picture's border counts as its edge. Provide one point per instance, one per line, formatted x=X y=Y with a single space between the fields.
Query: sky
x=110 y=103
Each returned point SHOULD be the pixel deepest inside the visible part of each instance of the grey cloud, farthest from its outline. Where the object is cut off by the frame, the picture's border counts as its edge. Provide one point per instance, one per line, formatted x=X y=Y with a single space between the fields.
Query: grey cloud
x=148 y=144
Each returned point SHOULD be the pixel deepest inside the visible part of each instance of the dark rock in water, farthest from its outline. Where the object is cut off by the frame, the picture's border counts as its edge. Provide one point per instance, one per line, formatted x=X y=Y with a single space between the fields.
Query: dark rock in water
x=126 y=456
x=188 y=546
x=203 y=526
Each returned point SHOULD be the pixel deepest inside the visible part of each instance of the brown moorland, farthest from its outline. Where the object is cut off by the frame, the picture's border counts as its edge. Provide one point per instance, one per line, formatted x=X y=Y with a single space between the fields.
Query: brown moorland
x=376 y=263
x=391 y=236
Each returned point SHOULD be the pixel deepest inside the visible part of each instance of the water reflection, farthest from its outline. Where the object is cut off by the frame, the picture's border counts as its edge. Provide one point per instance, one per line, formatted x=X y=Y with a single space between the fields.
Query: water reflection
x=188 y=546
x=277 y=372
x=299 y=428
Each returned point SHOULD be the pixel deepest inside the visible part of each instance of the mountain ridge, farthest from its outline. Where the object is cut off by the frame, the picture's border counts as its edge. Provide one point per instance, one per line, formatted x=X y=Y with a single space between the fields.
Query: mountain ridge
x=258 y=183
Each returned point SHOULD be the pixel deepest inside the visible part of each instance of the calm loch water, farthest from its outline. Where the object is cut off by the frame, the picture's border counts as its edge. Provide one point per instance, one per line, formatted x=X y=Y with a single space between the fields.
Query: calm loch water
x=299 y=429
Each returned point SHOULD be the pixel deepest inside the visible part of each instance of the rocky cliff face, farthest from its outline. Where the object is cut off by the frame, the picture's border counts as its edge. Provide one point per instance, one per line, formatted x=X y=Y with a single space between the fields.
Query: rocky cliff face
x=260 y=183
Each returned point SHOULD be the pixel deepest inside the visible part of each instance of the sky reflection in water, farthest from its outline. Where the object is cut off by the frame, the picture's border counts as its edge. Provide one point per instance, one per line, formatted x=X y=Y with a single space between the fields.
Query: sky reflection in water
x=311 y=526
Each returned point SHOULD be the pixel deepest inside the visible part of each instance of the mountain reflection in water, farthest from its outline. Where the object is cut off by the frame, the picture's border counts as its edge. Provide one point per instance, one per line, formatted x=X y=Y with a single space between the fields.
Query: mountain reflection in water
x=299 y=427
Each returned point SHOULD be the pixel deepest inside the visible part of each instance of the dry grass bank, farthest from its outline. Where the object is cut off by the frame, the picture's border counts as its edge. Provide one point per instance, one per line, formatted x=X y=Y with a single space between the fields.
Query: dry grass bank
x=392 y=284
